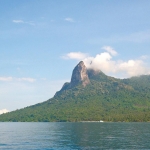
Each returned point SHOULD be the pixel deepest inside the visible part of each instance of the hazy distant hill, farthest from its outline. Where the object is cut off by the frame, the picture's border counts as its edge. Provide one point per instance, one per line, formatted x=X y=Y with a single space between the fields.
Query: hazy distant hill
x=92 y=96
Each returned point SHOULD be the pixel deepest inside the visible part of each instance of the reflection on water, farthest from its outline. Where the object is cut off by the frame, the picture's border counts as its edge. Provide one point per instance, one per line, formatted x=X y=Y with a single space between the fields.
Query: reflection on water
x=64 y=136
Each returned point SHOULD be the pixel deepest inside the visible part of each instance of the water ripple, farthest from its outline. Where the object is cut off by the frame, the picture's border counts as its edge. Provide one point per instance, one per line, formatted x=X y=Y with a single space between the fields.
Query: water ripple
x=76 y=136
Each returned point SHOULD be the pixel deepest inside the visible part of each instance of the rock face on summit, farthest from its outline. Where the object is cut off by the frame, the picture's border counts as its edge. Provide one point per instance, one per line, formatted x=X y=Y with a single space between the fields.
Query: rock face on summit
x=80 y=75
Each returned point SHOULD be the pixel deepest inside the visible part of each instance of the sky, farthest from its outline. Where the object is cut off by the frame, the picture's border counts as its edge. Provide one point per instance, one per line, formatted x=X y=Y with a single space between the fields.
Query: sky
x=42 y=41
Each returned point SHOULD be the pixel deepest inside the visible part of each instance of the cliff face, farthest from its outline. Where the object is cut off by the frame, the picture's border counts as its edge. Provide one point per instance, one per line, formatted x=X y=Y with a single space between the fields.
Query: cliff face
x=80 y=75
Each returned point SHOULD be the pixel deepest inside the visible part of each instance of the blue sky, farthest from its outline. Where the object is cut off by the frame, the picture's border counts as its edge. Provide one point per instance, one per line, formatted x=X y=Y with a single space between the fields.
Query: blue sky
x=41 y=42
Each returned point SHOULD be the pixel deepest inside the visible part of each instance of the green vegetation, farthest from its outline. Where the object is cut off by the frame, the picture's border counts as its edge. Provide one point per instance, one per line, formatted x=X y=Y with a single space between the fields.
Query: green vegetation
x=105 y=98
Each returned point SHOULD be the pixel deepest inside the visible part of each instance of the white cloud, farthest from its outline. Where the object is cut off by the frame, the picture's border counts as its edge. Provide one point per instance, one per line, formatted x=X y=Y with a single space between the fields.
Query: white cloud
x=117 y=68
x=110 y=50
x=17 y=79
x=100 y=62
x=26 y=79
x=6 y=78
x=131 y=68
x=69 y=19
x=18 y=21
x=75 y=55
x=24 y=22
x=2 y=111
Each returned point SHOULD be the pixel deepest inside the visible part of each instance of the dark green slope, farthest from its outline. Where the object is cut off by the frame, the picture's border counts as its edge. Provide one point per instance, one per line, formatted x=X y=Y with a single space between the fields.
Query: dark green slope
x=103 y=98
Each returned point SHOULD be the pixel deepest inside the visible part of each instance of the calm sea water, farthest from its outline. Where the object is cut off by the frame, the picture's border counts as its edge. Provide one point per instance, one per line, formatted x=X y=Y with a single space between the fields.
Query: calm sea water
x=76 y=136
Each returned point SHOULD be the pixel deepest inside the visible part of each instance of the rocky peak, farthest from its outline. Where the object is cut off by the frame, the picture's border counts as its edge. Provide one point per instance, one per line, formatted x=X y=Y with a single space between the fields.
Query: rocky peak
x=80 y=75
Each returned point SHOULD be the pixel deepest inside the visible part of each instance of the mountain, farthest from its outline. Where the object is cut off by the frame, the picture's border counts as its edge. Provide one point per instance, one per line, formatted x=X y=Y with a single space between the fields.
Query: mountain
x=92 y=96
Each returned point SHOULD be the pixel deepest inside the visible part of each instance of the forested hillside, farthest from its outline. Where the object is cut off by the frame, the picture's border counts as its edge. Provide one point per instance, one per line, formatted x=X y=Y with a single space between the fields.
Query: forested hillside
x=92 y=96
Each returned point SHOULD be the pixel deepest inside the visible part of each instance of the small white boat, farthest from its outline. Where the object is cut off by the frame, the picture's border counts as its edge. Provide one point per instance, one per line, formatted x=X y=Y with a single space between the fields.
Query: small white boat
x=101 y=121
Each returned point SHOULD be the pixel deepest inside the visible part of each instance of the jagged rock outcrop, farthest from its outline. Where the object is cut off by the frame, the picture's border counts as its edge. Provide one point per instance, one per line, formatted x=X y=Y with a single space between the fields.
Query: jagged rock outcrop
x=80 y=75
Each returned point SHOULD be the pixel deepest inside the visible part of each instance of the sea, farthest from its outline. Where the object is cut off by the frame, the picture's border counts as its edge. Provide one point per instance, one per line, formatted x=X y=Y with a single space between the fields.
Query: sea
x=74 y=136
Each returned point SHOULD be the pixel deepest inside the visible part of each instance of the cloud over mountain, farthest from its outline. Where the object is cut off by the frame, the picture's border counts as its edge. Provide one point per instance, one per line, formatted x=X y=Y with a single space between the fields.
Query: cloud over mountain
x=105 y=62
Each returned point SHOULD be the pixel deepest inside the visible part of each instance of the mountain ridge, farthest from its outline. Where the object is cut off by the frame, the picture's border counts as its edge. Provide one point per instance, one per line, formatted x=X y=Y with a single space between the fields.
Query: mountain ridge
x=91 y=96
x=82 y=75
